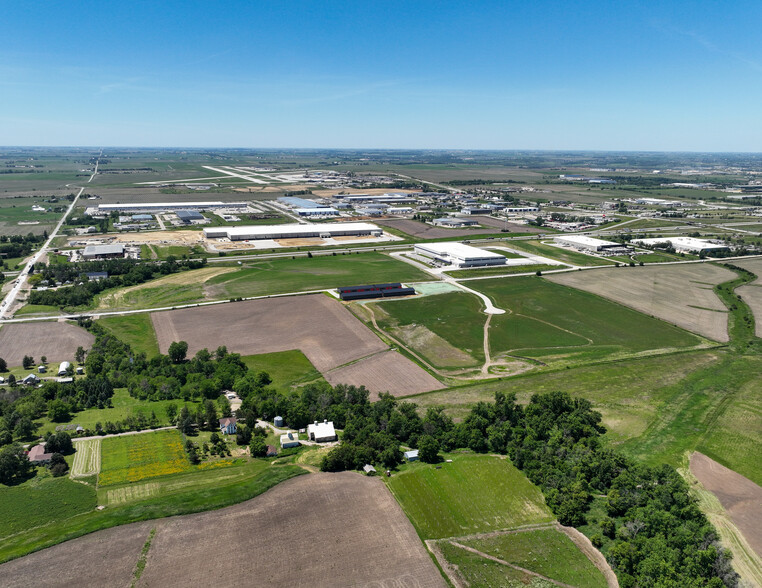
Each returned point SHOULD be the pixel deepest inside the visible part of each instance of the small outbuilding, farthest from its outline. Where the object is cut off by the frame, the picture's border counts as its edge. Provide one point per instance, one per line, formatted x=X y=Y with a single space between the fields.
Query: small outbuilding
x=321 y=432
x=288 y=440
x=278 y=421
x=63 y=368
x=30 y=380
x=369 y=469
x=411 y=455
x=42 y=369
x=271 y=451
x=228 y=426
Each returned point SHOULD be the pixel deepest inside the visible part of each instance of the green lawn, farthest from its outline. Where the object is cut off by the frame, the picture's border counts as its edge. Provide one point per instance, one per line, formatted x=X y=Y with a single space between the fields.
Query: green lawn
x=473 y=494
x=480 y=572
x=545 y=551
x=134 y=329
x=124 y=405
x=548 y=321
x=294 y=275
x=30 y=309
x=40 y=501
x=558 y=253
x=504 y=270
x=132 y=458
x=286 y=368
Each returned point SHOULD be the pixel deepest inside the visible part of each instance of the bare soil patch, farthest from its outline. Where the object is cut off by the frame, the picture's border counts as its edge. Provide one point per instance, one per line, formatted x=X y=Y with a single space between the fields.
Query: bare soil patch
x=680 y=294
x=299 y=242
x=57 y=341
x=152 y=237
x=386 y=372
x=319 y=326
x=752 y=293
x=424 y=231
x=739 y=496
x=106 y=558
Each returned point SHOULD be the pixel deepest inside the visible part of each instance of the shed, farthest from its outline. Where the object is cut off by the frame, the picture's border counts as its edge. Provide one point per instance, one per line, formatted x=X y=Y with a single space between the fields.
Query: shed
x=288 y=440
x=42 y=369
x=321 y=432
x=271 y=451
x=228 y=425
x=369 y=469
x=278 y=421
x=30 y=380
x=63 y=368
x=411 y=455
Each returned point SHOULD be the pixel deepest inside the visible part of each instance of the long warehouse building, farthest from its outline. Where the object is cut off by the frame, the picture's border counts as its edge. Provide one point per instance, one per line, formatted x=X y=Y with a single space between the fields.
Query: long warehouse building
x=168 y=206
x=587 y=243
x=293 y=231
x=459 y=254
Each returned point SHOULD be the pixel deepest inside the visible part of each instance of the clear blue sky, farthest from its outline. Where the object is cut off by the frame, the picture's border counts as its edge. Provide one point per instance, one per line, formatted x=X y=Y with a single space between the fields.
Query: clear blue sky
x=668 y=75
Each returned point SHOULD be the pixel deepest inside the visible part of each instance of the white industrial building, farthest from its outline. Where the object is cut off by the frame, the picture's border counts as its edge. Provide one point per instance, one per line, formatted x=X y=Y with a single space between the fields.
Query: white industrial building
x=153 y=207
x=103 y=251
x=454 y=222
x=293 y=231
x=321 y=432
x=521 y=209
x=319 y=212
x=686 y=244
x=587 y=243
x=459 y=254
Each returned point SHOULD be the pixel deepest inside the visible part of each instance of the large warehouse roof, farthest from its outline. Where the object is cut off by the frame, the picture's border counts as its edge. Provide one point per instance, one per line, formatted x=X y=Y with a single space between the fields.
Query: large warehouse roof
x=690 y=244
x=92 y=250
x=290 y=231
x=458 y=250
x=169 y=206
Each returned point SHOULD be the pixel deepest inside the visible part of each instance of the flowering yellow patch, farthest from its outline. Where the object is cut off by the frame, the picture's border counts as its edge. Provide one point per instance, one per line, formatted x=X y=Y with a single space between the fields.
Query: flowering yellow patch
x=132 y=458
x=210 y=465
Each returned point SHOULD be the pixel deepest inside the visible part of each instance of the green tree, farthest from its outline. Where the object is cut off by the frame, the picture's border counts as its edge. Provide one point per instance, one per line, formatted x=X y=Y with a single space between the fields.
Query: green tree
x=58 y=411
x=14 y=465
x=27 y=362
x=210 y=415
x=171 y=410
x=24 y=428
x=44 y=359
x=258 y=447
x=79 y=355
x=185 y=421
x=192 y=451
x=59 y=442
x=177 y=351
x=58 y=465
x=12 y=381
x=428 y=449
x=3 y=365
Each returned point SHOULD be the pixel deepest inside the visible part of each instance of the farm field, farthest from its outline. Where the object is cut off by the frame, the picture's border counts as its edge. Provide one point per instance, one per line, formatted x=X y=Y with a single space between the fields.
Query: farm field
x=123 y=405
x=388 y=371
x=132 y=458
x=357 y=513
x=40 y=501
x=752 y=293
x=504 y=270
x=564 y=255
x=544 y=551
x=473 y=494
x=288 y=369
x=87 y=458
x=421 y=231
x=548 y=321
x=57 y=341
x=479 y=572
x=680 y=294
x=446 y=329
x=134 y=329
x=19 y=210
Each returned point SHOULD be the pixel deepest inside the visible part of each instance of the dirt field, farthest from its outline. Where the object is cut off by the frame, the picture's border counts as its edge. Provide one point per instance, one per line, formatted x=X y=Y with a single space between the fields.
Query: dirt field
x=154 y=237
x=752 y=293
x=57 y=341
x=106 y=558
x=739 y=496
x=680 y=294
x=386 y=372
x=315 y=530
x=424 y=231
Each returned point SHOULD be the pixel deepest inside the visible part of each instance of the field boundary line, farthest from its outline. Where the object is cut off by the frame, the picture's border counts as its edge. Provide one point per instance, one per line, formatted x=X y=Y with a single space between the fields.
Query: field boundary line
x=589 y=550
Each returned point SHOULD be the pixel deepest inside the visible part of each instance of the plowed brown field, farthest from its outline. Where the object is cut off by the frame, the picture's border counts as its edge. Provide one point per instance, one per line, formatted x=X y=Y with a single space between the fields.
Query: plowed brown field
x=57 y=341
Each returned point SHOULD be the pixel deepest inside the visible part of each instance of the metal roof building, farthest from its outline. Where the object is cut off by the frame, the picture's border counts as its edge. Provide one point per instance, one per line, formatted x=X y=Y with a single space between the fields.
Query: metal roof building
x=188 y=216
x=293 y=231
x=169 y=206
x=295 y=202
x=459 y=254
x=374 y=291
x=586 y=243
x=686 y=244
x=321 y=432
x=103 y=251
x=63 y=368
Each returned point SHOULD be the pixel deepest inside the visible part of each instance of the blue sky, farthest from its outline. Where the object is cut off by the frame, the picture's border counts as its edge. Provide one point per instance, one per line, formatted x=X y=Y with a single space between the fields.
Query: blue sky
x=417 y=74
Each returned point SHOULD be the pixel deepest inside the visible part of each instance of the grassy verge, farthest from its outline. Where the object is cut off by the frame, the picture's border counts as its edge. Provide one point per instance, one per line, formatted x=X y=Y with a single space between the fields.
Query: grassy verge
x=287 y=369
x=505 y=270
x=134 y=329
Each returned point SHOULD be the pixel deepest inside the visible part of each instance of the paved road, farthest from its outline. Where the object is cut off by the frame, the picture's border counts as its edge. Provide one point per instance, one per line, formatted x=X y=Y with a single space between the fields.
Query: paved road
x=10 y=298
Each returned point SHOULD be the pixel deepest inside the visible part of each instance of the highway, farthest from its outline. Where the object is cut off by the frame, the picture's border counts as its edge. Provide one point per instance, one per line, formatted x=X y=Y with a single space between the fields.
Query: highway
x=7 y=304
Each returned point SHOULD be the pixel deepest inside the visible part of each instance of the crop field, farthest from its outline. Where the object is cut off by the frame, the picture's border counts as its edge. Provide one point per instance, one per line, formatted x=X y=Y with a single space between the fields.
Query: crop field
x=87 y=459
x=544 y=551
x=548 y=321
x=505 y=270
x=370 y=538
x=472 y=494
x=19 y=210
x=288 y=369
x=132 y=458
x=562 y=254
x=134 y=329
x=446 y=329
x=419 y=230
x=41 y=501
x=680 y=294
x=57 y=341
x=752 y=293
x=387 y=371
x=123 y=405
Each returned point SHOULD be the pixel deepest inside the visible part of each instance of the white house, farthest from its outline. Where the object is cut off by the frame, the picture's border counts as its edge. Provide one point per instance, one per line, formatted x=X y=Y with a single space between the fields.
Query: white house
x=227 y=425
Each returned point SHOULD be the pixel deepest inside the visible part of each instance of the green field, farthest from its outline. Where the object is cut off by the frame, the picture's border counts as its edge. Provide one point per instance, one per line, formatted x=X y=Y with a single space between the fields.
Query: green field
x=134 y=329
x=473 y=494
x=504 y=270
x=124 y=405
x=132 y=458
x=40 y=501
x=549 y=322
x=295 y=275
x=287 y=369
x=480 y=572
x=41 y=309
x=544 y=551
x=558 y=253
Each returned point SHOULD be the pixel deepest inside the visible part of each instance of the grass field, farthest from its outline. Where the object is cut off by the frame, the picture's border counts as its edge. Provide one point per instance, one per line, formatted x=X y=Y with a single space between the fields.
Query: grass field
x=294 y=275
x=133 y=458
x=124 y=405
x=544 y=551
x=87 y=458
x=561 y=254
x=40 y=501
x=504 y=270
x=480 y=572
x=134 y=329
x=287 y=369
x=30 y=309
x=473 y=494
